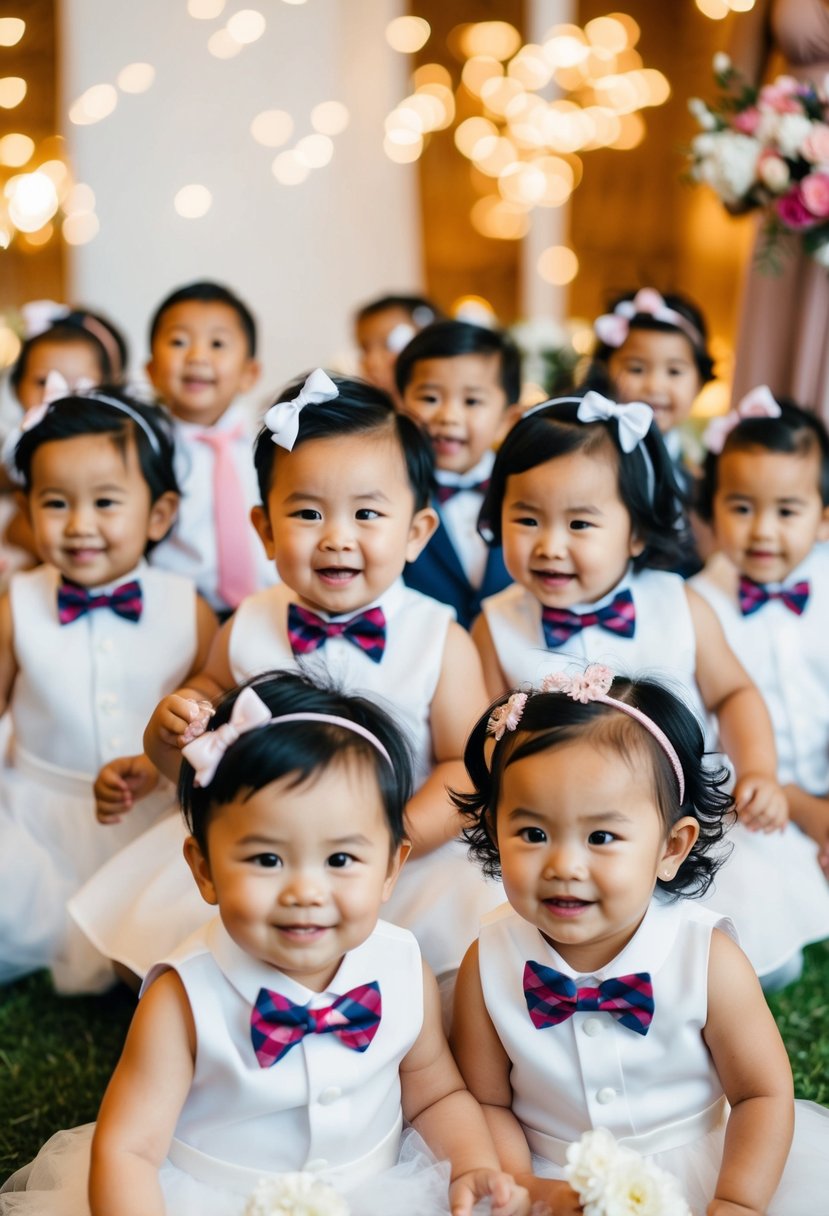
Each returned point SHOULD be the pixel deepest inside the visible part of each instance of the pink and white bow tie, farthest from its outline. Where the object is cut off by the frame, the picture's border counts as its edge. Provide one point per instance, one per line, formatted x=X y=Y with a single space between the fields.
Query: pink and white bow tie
x=552 y=997
x=278 y=1024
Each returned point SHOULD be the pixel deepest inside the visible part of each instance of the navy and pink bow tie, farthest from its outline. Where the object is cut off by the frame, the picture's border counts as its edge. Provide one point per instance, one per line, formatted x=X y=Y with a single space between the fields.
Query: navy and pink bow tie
x=553 y=997
x=75 y=601
x=307 y=631
x=753 y=596
x=560 y=624
x=443 y=492
x=277 y=1024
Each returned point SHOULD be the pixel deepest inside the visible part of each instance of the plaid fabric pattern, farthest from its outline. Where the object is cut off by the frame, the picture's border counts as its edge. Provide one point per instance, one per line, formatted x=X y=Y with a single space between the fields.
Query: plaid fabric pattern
x=553 y=997
x=444 y=493
x=753 y=596
x=75 y=601
x=277 y=1024
x=307 y=631
x=619 y=616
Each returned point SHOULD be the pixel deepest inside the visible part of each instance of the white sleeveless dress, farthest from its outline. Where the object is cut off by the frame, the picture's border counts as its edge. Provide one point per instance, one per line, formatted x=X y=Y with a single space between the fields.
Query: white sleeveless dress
x=774 y=888
x=322 y=1107
x=657 y=1093
x=145 y=901
x=82 y=695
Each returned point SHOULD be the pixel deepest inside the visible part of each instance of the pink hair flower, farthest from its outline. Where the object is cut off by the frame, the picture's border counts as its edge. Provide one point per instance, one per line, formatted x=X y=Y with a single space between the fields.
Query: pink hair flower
x=592 y=685
x=507 y=716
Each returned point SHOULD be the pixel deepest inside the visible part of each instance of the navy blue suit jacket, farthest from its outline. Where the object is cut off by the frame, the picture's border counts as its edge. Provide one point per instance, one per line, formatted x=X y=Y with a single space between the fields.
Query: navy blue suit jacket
x=438 y=572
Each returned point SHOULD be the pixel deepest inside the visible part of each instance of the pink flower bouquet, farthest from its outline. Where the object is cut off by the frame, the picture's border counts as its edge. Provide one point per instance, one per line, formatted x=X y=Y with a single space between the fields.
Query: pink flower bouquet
x=768 y=148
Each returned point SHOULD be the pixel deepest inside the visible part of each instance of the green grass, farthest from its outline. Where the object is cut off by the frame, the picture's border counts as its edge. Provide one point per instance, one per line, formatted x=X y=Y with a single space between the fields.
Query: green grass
x=56 y=1053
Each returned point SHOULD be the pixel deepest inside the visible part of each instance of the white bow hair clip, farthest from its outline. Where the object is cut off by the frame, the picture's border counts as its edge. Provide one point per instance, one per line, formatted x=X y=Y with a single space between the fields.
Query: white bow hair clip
x=757 y=403
x=40 y=315
x=633 y=420
x=282 y=419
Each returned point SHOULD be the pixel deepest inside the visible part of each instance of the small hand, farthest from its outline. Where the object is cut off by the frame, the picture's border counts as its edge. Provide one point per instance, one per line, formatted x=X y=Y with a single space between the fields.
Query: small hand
x=760 y=803
x=122 y=783
x=508 y=1199
x=177 y=720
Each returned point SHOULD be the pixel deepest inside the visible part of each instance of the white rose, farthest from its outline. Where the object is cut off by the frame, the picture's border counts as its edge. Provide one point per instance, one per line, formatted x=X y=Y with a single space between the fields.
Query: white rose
x=590 y=1163
x=774 y=173
x=633 y=1191
x=730 y=166
x=721 y=63
x=702 y=114
x=299 y=1194
x=792 y=129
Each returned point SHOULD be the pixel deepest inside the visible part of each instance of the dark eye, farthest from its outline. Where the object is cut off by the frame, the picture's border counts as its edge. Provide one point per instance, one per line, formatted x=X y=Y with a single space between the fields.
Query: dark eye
x=218 y=343
x=53 y=504
x=268 y=861
x=178 y=342
x=580 y=525
x=367 y=513
x=526 y=521
x=339 y=861
x=600 y=837
x=472 y=401
x=306 y=513
x=103 y=503
x=533 y=835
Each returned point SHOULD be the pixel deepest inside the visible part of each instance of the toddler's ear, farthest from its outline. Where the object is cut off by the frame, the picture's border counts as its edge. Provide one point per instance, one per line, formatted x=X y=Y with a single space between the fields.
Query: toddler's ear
x=260 y=521
x=422 y=528
x=200 y=869
x=250 y=375
x=823 y=526
x=162 y=515
x=396 y=863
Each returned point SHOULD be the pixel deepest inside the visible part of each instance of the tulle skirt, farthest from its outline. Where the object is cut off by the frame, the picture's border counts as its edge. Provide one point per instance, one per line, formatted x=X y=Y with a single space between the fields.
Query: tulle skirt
x=55 y=1184
x=803 y=1189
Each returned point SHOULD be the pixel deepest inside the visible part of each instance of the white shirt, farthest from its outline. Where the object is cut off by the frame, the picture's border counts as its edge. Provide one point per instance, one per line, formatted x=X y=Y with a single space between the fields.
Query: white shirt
x=460 y=517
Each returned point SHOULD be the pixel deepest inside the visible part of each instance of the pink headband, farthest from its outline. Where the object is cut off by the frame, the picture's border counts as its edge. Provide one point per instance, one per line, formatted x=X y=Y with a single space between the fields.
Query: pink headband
x=612 y=328
x=251 y=713
x=39 y=316
x=758 y=403
x=592 y=686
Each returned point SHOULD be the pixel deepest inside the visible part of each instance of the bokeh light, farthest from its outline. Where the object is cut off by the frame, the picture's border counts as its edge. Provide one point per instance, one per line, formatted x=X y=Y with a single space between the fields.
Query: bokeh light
x=272 y=128
x=136 y=77
x=407 y=34
x=315 y=151
x=205 y=10
x=95 y=104
x=12 y=30
x=289 y=170
x=12 y=91
x=330 y=117
x=80 y=227
x=558 y=265
x=246 y=26
x=33 y=200
x=223 y=45
x=193 y=201
x=16 y=150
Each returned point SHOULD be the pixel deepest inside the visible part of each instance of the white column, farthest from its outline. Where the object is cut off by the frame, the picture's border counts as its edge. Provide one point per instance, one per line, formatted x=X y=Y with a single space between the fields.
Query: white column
x=302 y=256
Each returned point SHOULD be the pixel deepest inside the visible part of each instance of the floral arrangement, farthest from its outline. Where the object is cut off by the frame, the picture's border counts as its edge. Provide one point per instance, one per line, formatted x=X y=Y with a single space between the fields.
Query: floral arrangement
x=299 y=1194
x=768 y=148
x=549 y=358
x=614 y=1181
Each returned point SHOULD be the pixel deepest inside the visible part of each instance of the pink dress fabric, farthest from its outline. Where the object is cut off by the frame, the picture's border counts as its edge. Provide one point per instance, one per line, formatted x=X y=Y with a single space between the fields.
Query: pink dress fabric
x=783 y=337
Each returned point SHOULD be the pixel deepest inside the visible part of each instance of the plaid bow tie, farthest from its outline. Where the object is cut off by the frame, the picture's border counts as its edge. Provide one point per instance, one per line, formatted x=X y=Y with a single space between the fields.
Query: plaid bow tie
x=553 y=997
x=307 y=631
x=277 y=1024
x=619 y=616
x=75 y=601
x=753 y=596
x=444 y=493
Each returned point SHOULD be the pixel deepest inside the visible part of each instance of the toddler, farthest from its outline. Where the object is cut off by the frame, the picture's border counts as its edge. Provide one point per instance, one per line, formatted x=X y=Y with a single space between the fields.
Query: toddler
x=601 y=995
x=88 y=642
x=459 y=381
x=382 y=328
x=766 y=490
x=295 y=1031
x=203 y=356
x=344 y=483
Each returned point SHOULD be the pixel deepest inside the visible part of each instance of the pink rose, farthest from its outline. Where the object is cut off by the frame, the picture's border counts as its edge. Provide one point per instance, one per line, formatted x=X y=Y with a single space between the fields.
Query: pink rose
x=815 y=146
x=782 y=96
x=746 y=122
x=793 y=211
x=815 y=192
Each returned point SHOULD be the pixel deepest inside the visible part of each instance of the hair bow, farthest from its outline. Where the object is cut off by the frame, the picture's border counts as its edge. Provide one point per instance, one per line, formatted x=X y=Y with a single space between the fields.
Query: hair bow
x=249 y=713
x=282 y=419
x=757 y=403
x=40 y=315
x=633 y=420
x=612 y=328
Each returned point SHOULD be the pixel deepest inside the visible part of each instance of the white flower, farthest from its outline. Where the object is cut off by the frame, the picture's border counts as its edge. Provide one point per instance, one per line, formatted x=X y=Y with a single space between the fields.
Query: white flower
x=612 y=1180
x=721 y=63
x=727 y=161
x=633 y=1191
x=821 y=254
x=702 y=114
x=792 y=129
x=774 y=173
x=590 y=1163
x=299 y=1194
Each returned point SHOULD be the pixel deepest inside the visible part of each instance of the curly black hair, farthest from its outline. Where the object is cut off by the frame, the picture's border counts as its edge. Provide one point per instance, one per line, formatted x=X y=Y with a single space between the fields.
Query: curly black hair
x=551 y=719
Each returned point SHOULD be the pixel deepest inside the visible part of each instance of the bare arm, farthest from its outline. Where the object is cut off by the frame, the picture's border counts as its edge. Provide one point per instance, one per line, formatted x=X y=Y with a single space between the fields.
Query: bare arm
x=142 y=1104
x=496 y=681
x=459 y=700
x=485 y=1068
x=751 y=1061
x=439 y=1106
x=745 y=726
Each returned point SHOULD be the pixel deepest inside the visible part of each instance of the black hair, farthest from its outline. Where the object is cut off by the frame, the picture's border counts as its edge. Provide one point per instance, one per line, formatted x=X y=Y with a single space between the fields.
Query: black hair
x=645 y=320
x=301 y=749
x=449 y=339
x=90 y=414
x=206 y=292
x=553 y=719
x=421 y=310
x=359 y=408
x=103 y=338
x=796 y=432
x=554 y=430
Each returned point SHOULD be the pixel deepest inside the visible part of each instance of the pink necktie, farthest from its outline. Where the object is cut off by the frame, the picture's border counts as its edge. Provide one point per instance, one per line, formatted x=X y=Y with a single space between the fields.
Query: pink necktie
x=237 y=578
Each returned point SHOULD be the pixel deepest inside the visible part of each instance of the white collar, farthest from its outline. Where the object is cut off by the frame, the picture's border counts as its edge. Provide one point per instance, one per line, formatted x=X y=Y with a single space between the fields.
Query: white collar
x=108 y=588
x=389 y=601
x=471 y=477
x=232 y=416
x=646 y=950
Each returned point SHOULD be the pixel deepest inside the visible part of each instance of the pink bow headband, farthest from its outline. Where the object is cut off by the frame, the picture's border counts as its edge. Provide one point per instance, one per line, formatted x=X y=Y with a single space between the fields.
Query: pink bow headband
x=39 y=316
x=758 y=403
x=593 y=685
x=612 y=328
x=251 y=713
